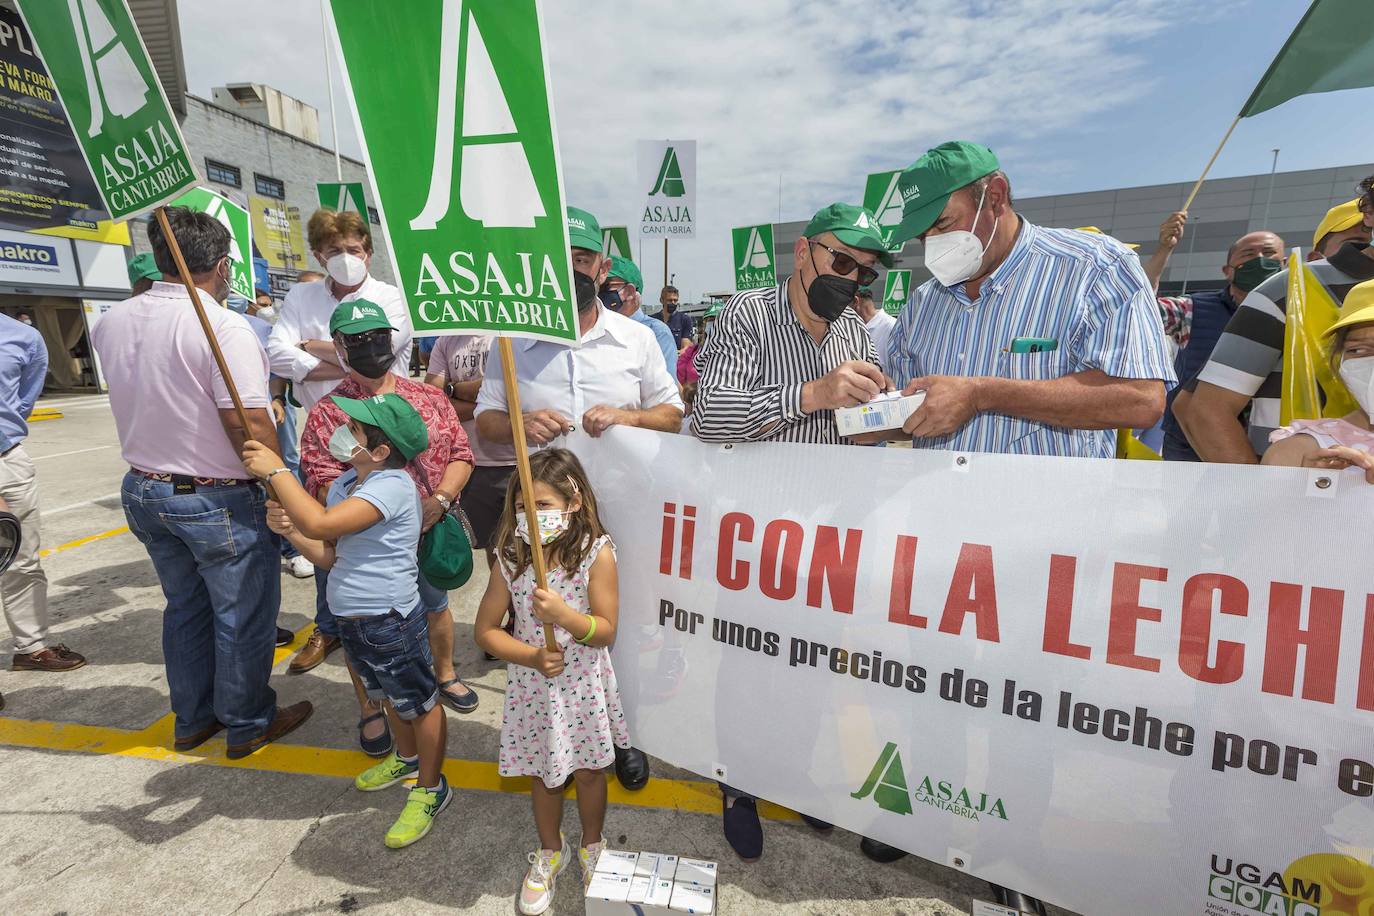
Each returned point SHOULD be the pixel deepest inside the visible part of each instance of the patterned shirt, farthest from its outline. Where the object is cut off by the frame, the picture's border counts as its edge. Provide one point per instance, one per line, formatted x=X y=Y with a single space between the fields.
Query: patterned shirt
x=753 y=366
x=447 y=441
x=1087 y=292
x=1248 y=358
x=1177 y=314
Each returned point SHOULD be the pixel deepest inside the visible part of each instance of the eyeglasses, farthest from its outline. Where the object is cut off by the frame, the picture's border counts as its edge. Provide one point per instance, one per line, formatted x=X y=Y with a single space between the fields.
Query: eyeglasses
x=844 y=265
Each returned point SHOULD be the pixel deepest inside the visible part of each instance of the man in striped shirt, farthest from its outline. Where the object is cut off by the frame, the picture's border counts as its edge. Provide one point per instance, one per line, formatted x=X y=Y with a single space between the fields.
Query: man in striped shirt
x=775 y=365
x=781 y=359
x=1028 y=340
x=1246 y=366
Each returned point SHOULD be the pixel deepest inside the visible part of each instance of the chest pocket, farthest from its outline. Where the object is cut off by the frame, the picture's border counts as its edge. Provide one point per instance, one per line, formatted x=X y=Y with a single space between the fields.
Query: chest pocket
x=1034 y=367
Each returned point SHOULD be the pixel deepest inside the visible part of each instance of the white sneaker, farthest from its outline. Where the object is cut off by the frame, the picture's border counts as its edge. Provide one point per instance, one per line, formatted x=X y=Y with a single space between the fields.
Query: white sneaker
x=536 y=894
x=588 y=856
x=300 y=567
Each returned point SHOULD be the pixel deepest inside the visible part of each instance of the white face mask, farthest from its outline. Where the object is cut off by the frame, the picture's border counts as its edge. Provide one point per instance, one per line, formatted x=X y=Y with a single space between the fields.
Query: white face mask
x=346 y=269
x=953 y=257
x=1358 y=375
x=552 y=524
x=268 y=313
x=343 y=445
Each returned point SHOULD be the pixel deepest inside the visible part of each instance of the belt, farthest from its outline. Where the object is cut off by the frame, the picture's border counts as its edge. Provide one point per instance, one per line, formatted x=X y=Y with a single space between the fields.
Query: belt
x=186 y=484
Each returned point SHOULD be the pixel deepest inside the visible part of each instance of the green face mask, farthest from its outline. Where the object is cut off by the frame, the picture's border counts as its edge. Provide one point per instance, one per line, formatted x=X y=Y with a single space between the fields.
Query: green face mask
x=1254 y=272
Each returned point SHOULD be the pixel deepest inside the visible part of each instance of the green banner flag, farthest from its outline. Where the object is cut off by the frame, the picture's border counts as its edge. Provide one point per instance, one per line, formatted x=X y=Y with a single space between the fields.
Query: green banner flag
x=883 y=199
x=235 y=219
x=1332 y=48
x=452 y=103
x=342 y=195
x=754 y=266
x=896 y=288
x=615 y=240
x=126 y=130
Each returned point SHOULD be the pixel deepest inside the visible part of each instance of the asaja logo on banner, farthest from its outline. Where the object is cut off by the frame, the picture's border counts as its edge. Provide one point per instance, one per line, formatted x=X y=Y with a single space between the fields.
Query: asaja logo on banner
x=887 y=784
x=753 y=256
x=117 y=87
x=669 y=182
x=883 y=197
x=1268 y=892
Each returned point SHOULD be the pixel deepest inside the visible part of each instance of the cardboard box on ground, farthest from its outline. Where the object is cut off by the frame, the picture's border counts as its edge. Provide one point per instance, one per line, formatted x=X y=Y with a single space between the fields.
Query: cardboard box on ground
x=650 y=884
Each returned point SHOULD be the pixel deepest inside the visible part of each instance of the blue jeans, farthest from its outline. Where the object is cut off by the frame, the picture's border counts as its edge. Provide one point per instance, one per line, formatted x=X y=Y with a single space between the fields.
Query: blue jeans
x=432 y=600
x=217 y=563
x=390 y=654
x=291 y=454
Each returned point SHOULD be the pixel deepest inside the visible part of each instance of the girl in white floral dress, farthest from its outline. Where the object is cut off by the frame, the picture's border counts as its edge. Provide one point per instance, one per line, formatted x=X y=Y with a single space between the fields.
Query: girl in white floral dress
x=563 y=715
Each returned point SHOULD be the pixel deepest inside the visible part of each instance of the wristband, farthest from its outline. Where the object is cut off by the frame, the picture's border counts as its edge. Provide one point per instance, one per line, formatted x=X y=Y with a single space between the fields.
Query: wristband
x=443 y=500
x=272 y=474
x=590 y=632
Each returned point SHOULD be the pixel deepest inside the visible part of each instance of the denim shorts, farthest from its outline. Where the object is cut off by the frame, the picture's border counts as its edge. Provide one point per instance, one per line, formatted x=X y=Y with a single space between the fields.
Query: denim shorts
x=391 y=656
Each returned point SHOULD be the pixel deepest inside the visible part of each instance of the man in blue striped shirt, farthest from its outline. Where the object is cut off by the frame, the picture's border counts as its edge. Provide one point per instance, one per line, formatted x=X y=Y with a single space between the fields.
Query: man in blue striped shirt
x=1028 y=340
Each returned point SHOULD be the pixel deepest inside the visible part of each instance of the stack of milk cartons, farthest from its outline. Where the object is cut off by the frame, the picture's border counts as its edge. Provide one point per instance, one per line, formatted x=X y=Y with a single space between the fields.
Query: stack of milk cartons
x=650 y=884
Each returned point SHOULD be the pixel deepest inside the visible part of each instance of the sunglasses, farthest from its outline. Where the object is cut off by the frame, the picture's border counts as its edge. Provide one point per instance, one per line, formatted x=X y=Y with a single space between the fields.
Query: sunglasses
x=844 y=265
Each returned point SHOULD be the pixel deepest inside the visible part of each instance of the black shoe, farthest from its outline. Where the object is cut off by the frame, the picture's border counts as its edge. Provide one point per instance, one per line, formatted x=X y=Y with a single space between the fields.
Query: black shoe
x=284 y=637
x=744 y=833
x=880 y=852
x=817 y=824
x=1022 y=903
x=381 y=745
x=631 y=768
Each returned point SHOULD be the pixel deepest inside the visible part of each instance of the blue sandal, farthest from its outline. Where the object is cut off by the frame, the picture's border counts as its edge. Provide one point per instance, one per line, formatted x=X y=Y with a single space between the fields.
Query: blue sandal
x=381 y=745
x=460 y=702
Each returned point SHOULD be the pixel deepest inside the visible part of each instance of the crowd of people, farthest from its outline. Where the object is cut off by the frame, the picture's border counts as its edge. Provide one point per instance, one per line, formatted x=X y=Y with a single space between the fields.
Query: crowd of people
x=1027 y=340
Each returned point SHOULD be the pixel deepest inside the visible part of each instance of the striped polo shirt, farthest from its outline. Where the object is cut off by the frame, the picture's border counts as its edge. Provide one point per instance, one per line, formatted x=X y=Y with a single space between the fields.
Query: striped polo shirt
x=1248 y=358
x=1085 y=291
x=754 y=363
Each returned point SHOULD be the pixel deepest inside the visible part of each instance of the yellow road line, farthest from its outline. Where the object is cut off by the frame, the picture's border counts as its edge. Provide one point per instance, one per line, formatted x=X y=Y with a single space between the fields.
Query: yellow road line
x=113 y=532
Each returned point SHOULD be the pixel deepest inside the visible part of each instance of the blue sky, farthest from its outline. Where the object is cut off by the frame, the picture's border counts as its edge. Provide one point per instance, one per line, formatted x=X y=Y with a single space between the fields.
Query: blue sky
x=1074 y=95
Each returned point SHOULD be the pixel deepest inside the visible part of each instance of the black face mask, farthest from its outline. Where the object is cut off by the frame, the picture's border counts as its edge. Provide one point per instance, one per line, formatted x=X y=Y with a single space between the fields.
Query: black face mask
x=670 y=307
x=370 y=358
x=585 y=289
x=829 y=295
x=1253 y=272
x=611 y=299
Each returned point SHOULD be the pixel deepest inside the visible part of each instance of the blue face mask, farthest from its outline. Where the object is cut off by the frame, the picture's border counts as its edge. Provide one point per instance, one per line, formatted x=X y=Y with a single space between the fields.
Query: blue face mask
x=237 y=303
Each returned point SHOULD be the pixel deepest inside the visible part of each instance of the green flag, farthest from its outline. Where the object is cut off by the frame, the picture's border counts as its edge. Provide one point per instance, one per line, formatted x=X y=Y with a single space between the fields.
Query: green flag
x=342 y=195
x=1332 y=48
x=754 y=265
x=235 y=219
x=615 y=240
x=452 y=102
x=883 y=199
x=126 y=130
x=896 y=288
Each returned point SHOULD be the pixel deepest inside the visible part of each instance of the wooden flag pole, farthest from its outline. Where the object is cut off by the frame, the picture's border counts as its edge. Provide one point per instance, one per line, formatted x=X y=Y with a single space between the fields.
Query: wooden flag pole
x=665 y=260
x=1210 y=162
x=184 y=273
x=522 y=468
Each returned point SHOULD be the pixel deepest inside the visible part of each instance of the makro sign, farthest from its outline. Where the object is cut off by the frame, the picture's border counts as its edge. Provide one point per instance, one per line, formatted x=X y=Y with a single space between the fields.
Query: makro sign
x=883 y=198
x=896 y=289
x=452 y=103
x=114 y=101
x=35 y=259
x=754 y=264
x=235 y=220
x=668 y=175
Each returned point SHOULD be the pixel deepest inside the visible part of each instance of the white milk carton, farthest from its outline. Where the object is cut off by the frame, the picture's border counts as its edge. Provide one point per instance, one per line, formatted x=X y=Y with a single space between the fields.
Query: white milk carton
x=888 y=410
x=694 y=887
x=609 y=890
x=651 y=888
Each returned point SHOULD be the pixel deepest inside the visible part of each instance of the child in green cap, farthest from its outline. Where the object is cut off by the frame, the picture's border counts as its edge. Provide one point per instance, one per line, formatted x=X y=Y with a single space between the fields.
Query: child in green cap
x=366 y=535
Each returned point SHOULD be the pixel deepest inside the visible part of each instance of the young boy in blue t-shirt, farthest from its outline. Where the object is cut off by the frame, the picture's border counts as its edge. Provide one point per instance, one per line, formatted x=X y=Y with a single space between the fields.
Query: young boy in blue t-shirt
x=366 y=534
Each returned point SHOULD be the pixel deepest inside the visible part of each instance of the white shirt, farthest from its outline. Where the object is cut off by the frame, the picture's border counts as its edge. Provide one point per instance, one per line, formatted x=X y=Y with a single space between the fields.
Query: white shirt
x=305 y=316
x=618 y=364
x=880 y=329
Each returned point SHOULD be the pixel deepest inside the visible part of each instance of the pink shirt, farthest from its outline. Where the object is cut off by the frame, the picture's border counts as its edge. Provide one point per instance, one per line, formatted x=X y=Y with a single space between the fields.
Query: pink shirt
x=165 y=390
x=463 y=358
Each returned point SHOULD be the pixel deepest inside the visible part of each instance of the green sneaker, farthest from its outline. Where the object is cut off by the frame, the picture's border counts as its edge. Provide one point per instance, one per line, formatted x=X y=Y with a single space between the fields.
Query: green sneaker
x=387 y=773
x=422 y=807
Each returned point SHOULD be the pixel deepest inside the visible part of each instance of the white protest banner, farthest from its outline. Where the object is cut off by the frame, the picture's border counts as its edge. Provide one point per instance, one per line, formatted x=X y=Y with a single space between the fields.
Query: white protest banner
x=668 y=177
x=1123 y=687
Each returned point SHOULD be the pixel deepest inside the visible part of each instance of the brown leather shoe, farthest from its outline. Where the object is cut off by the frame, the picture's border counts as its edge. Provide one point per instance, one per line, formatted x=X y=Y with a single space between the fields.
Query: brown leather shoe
x=315 y=650
x=191 y=742
x=287 y=720
x=53 y=658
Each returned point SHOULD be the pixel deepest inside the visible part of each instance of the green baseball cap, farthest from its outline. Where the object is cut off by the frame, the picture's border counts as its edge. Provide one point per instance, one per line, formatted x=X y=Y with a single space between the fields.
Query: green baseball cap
x=583 y=230
x=141 y=266
x=358 y=316
x=714 y=310
x=626 y=270
x=393 y=415
x=855 y=226
x=927 y=183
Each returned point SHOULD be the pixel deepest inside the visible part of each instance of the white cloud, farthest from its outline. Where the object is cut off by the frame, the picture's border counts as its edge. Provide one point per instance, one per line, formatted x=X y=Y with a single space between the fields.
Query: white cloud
x=819 y=93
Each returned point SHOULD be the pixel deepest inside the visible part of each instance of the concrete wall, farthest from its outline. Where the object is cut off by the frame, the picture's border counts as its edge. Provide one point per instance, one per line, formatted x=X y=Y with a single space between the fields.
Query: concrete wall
x=214 y=133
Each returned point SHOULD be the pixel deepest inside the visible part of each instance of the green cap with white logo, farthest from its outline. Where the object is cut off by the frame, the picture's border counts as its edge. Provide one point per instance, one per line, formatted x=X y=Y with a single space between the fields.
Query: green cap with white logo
x=626 y=270
x=143 y=266
x=928 y=182
x=583 y=230
x=358 y=316
x=855 y=226
x=393 y=415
